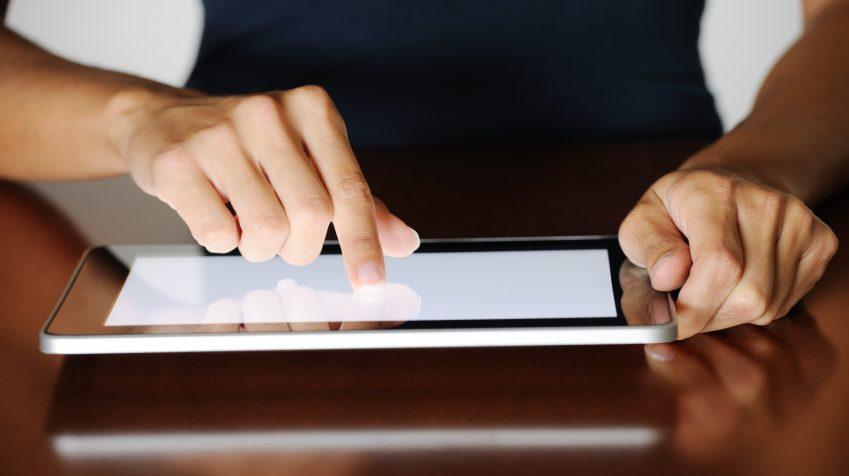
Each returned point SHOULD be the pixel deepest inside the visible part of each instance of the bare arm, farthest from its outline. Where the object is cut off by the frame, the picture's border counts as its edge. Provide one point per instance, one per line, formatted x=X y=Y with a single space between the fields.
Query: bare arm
x=281 y=158
x=796 y=138
x=733 y=228
x=54 y=114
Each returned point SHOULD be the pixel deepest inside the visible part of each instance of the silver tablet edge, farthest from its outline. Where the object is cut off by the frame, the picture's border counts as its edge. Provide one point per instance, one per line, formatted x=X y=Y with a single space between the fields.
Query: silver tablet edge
x=112 y=344
x=413 y=338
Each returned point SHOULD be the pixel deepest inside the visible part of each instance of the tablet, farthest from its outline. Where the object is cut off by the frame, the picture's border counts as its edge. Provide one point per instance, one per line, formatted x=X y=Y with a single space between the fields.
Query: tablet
x=450 y=293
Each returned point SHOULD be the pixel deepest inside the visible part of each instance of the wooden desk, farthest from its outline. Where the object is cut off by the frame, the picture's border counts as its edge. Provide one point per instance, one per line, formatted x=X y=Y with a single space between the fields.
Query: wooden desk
x=495 y=411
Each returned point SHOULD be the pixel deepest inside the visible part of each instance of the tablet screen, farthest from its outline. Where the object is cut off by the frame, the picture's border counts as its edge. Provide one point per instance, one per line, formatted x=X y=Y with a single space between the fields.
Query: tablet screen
x=487 y=285
x=446 y=284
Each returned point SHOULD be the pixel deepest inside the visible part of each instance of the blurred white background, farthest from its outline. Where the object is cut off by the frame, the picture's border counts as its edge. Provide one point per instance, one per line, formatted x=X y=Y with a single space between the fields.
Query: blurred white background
x=159 y=39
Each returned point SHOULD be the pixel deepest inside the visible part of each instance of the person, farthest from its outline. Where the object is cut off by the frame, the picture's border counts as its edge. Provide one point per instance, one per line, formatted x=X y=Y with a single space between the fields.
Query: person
x=731 y=228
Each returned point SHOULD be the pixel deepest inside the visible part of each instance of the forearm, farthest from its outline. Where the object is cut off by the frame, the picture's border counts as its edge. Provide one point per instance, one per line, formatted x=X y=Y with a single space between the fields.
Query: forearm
x=797 y=136
x=54 y=114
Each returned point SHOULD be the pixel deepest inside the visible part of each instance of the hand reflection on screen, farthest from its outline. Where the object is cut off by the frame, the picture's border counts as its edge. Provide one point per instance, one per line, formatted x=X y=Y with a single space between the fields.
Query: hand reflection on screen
x=294 y=307
x=641 y=304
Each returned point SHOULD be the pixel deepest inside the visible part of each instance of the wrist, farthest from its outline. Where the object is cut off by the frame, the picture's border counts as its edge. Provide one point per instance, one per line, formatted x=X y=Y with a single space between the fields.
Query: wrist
x=761 y=173
x=128 y=109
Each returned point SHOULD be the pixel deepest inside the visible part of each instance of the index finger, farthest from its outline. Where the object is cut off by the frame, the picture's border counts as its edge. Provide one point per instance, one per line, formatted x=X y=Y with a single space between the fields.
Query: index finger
x=354 y=221
x=324 y=136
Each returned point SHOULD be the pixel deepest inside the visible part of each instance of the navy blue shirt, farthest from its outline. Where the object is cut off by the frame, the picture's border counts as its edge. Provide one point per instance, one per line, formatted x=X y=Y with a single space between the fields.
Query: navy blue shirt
x=448 y=72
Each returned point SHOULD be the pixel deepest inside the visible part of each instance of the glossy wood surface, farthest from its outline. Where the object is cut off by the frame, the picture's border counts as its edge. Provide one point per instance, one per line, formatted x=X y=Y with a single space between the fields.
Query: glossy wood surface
x=459 y=411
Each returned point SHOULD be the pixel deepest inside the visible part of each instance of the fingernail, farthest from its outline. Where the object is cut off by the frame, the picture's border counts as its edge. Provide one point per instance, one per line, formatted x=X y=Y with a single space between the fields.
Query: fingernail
x=660 y=352
x=369 y=274
x=418 y=240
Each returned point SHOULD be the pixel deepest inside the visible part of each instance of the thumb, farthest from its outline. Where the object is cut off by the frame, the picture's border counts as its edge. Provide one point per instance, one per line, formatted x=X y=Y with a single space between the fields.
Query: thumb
x=650 y=239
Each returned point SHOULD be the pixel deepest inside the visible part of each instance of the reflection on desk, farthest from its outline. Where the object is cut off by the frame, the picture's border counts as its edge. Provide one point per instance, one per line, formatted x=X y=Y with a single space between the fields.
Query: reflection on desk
x=786 y=411
x=110 y=445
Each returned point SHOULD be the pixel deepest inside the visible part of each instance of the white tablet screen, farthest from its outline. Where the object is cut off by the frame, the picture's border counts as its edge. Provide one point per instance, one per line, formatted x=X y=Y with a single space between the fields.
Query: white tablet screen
x=187 y=290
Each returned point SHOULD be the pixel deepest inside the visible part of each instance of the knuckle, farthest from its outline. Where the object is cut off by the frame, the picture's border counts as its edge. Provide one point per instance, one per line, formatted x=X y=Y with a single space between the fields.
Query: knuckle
x=174 y=162
x=353 y=189
x=691 y=325
x=708 y=181
x=255 y=253
x=657 y=246
x=832 y=243
x=259 y=105
x=312 y=93
x=821 y=252
x=628 y=226
x=787 y=306
x=629 y=229
x=364 y=245
x=798 y=216
x=641 y=210
x=764 y=320
x=749 y=303
x=299 y=256
x=216 y=234
x=798 y=227
x=806 y=221
x=219 y=136
x=795 y=206
x=723 y=266
x=270 y=228
x=319 y=105
x=768 y=203
x=311 y=211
